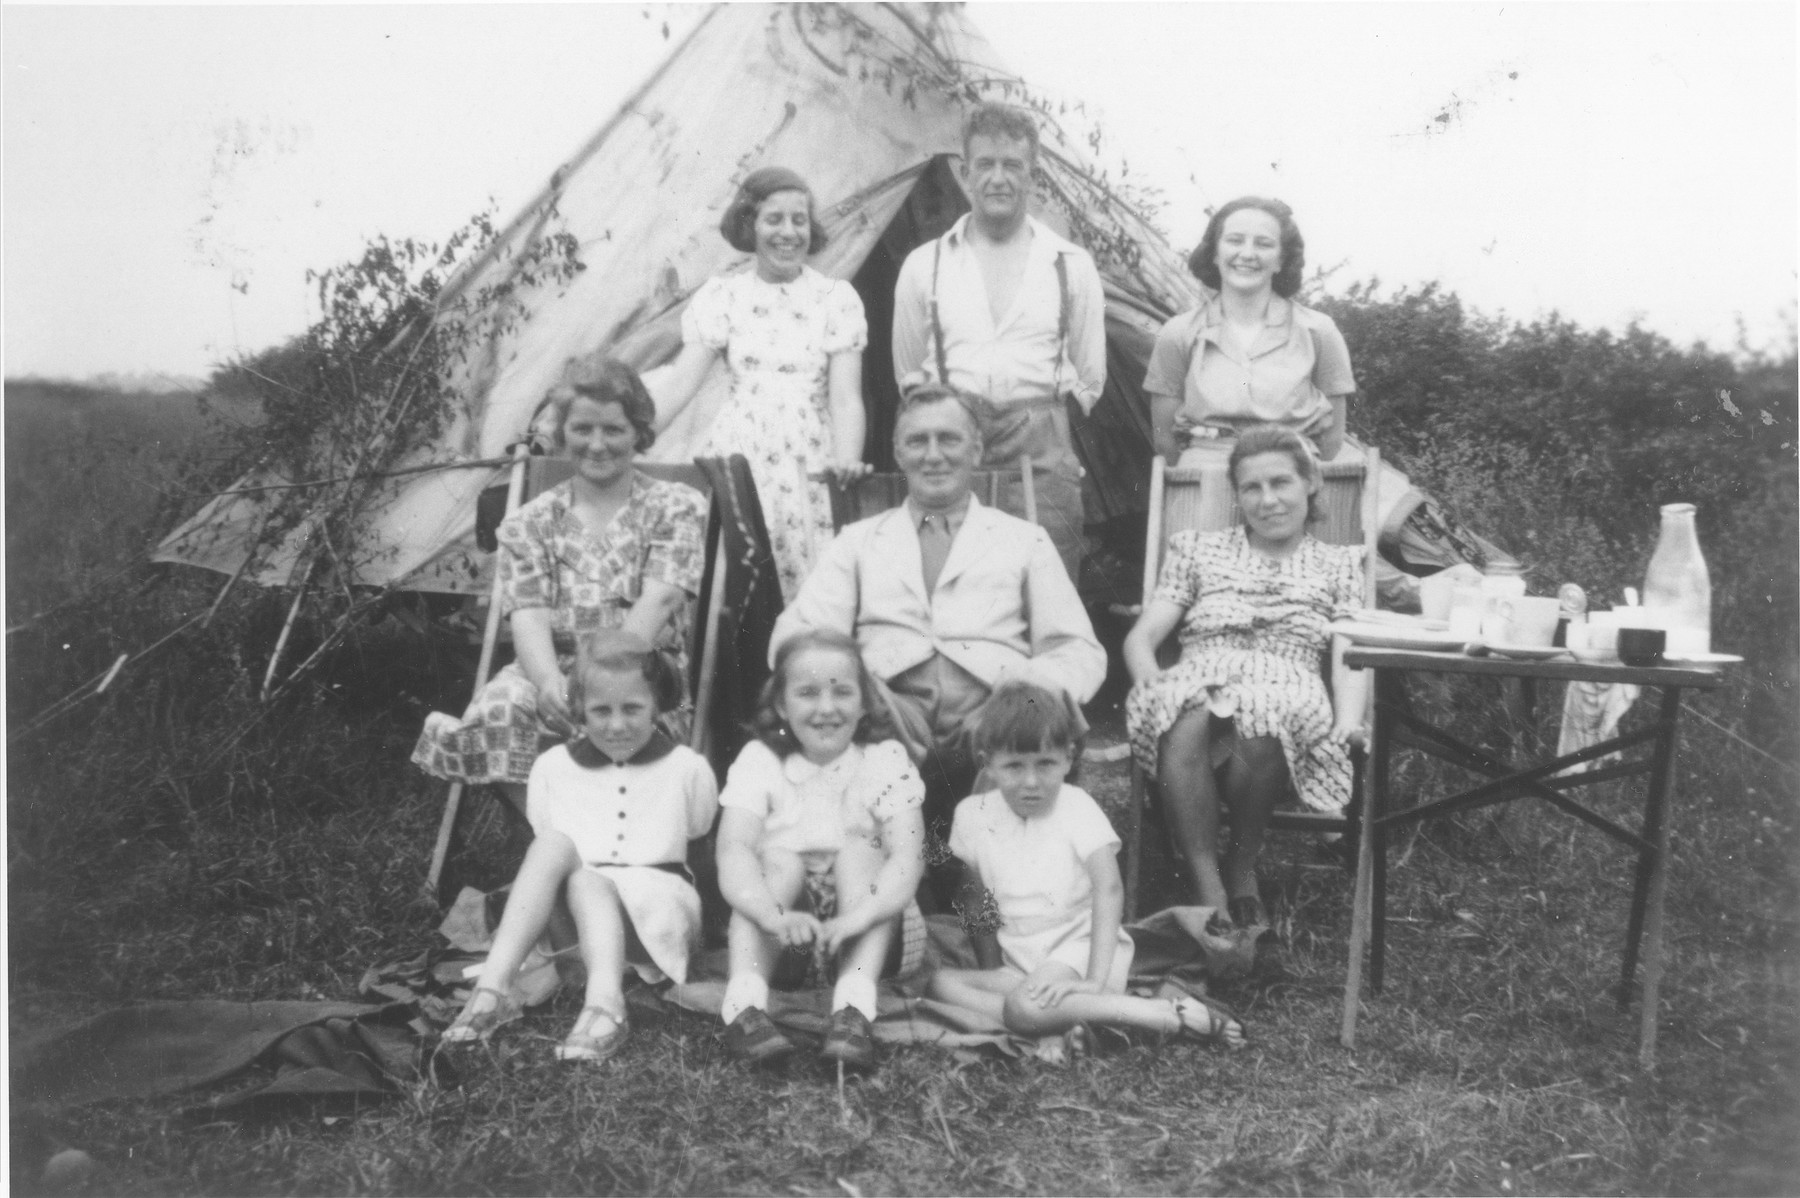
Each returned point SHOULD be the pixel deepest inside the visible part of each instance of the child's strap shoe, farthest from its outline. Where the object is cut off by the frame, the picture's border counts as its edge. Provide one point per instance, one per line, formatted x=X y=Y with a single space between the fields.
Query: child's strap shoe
x=1208 y=1023
x=486 y=1010
x=753 y=1037
x=584 y=1043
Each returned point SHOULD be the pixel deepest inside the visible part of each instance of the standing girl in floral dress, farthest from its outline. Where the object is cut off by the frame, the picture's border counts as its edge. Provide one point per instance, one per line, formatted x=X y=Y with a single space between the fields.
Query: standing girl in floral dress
x=793 y=340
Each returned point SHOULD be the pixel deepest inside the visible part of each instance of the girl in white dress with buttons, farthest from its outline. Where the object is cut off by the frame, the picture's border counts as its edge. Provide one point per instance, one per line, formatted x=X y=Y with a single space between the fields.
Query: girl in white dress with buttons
x=1046 y=854
x=613 y=811
x=793 y=339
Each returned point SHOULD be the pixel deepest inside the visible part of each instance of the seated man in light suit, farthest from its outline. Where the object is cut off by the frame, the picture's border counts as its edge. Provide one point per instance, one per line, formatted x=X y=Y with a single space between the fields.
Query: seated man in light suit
x=948 y=598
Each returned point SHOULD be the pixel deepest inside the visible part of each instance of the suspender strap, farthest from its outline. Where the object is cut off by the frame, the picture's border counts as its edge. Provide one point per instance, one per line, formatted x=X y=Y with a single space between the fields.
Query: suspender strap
x=937 y=328
x=1062 y=316
x=1062 y=319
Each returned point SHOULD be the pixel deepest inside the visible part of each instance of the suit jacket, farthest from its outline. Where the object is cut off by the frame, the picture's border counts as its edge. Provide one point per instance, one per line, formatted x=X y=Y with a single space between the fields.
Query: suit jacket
x=1004 y=608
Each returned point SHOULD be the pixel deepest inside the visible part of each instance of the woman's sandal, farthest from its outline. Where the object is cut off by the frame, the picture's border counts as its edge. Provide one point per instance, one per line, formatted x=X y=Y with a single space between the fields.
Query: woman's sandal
x=583 y=1044
x=1207 y=1023
x=473 y=1025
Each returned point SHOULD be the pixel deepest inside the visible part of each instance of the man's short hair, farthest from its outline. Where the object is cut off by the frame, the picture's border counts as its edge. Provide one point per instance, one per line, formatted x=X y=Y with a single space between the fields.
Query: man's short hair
x=995 y=119
x=921 y=394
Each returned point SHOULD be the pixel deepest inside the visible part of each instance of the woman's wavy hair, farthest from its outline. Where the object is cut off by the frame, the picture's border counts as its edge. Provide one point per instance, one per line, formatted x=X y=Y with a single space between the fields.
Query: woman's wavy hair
x=1273 y=438
x=772 y=729
x=611 y=381
x=738 y=226
x=618 y=652
x=1203 y=263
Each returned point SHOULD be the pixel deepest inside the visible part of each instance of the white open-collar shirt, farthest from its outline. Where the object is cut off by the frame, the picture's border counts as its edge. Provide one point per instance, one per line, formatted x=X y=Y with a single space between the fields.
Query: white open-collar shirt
x=1014 y=360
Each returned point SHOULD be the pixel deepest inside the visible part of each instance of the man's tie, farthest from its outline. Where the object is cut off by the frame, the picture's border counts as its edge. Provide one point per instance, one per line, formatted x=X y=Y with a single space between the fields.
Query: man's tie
x=934 y=548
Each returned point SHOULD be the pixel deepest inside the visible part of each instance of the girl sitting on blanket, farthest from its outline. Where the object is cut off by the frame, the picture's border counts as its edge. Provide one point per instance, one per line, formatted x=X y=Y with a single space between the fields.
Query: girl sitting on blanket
x=613 y=810
x=1044 y=851
x=821 y=846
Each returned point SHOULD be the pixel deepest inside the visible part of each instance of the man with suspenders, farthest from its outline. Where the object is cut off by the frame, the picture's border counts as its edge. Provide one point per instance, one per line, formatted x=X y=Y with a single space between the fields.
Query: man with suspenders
x=1003 y=308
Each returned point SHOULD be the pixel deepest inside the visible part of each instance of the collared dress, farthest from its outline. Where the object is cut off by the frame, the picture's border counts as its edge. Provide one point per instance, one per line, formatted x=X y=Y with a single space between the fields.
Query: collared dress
x=631 y=822
x=549 y=559
x=778 y=340
x=1254 y=638
x=814 y=810
x=1298 y=363
x=1037 y=873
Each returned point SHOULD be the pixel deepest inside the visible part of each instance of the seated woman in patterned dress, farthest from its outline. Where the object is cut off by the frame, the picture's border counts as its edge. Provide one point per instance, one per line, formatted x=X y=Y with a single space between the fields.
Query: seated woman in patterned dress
x=1245 y=715
x=609 y=548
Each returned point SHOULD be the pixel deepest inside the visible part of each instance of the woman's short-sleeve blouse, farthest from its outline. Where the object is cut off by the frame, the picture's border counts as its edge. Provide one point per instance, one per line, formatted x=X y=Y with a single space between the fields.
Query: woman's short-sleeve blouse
x=781 y=323
x=1297 y=365
x=549 y=558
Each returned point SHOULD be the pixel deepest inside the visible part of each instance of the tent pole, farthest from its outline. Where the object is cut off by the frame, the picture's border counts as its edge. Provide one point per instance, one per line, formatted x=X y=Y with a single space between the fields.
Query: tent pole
x=515 y=489
x=287 y=628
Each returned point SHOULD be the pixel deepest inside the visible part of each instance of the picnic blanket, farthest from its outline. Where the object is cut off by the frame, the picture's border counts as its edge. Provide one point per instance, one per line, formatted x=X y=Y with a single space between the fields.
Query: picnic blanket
x=314 y=1049
x=1175 y=952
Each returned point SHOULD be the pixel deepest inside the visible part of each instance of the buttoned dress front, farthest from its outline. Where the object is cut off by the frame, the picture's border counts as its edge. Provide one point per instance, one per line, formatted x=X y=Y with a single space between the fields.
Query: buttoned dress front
x=1253 y=642
x=626 y=819
x=1289 y=377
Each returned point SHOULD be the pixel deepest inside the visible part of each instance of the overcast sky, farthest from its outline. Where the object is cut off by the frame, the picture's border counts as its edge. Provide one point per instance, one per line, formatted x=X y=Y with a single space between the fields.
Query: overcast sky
x=170 y=174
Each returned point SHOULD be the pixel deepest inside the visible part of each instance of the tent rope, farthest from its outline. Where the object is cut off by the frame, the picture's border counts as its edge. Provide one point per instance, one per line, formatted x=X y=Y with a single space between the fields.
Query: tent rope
x=97 y=684
x=474 y=464
x=1706 y=719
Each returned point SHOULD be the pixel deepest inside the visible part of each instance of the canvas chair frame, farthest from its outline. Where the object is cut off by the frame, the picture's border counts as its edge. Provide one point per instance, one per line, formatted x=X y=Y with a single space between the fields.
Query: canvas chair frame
x=875 y=493
x=530 y=477
x=1352 y=517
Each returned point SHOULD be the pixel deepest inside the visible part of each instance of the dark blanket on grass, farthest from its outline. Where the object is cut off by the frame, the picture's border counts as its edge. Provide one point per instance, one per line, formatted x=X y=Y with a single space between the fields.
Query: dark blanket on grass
x=1174 y=952
x=315 y=1048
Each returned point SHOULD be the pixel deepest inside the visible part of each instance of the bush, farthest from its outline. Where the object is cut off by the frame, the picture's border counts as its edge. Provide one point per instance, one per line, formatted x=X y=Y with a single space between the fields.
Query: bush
x=1561 y=443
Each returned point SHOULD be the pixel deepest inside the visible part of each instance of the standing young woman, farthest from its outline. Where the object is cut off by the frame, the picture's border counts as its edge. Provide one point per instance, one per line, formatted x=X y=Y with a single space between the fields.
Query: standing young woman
x=1249 y=354
x=793 y=339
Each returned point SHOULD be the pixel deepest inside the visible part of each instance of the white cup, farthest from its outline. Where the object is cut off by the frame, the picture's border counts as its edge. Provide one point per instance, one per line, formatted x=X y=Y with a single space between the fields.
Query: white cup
x=1468 y=607
x=1527 y=621
x=1435 y=594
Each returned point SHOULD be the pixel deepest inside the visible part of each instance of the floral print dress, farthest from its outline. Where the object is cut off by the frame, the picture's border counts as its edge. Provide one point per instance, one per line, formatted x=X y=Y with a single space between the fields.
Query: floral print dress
x=549 y=559
x=778 y=340
x=1253 y=644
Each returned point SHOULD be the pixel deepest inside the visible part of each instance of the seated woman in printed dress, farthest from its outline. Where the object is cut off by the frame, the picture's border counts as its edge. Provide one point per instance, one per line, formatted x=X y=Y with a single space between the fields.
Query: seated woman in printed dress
x=1245 y=714
x=609 y=548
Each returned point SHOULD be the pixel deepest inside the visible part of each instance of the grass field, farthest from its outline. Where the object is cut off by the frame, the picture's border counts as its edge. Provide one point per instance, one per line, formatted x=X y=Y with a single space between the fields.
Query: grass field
x=161 y=846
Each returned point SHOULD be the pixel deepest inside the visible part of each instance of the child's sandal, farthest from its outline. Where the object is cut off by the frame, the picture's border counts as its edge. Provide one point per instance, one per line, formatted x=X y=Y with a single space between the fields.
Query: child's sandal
x=583 y=1044
x=472 y=1025
x=1207 y=1023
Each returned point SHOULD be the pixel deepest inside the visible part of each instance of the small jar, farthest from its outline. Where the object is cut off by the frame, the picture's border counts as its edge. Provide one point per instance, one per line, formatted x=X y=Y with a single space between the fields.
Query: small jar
x=1503 y=580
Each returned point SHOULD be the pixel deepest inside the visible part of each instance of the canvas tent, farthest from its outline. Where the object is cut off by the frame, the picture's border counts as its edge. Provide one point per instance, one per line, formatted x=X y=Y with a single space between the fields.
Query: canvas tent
x=866 y=102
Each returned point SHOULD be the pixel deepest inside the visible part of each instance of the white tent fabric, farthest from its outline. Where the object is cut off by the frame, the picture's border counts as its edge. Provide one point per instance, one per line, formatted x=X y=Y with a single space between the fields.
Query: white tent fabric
x=858 y=98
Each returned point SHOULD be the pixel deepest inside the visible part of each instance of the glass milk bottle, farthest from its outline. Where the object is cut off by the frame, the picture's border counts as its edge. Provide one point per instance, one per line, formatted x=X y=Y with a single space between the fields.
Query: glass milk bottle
x=1676 y=583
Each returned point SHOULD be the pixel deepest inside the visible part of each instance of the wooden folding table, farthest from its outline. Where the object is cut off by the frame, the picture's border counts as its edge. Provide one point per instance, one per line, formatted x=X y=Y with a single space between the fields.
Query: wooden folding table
x=1398 y=725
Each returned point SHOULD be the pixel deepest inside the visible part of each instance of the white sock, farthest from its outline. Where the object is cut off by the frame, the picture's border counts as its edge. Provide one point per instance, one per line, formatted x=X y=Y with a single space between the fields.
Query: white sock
x=743 y=991
x=855 y=989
